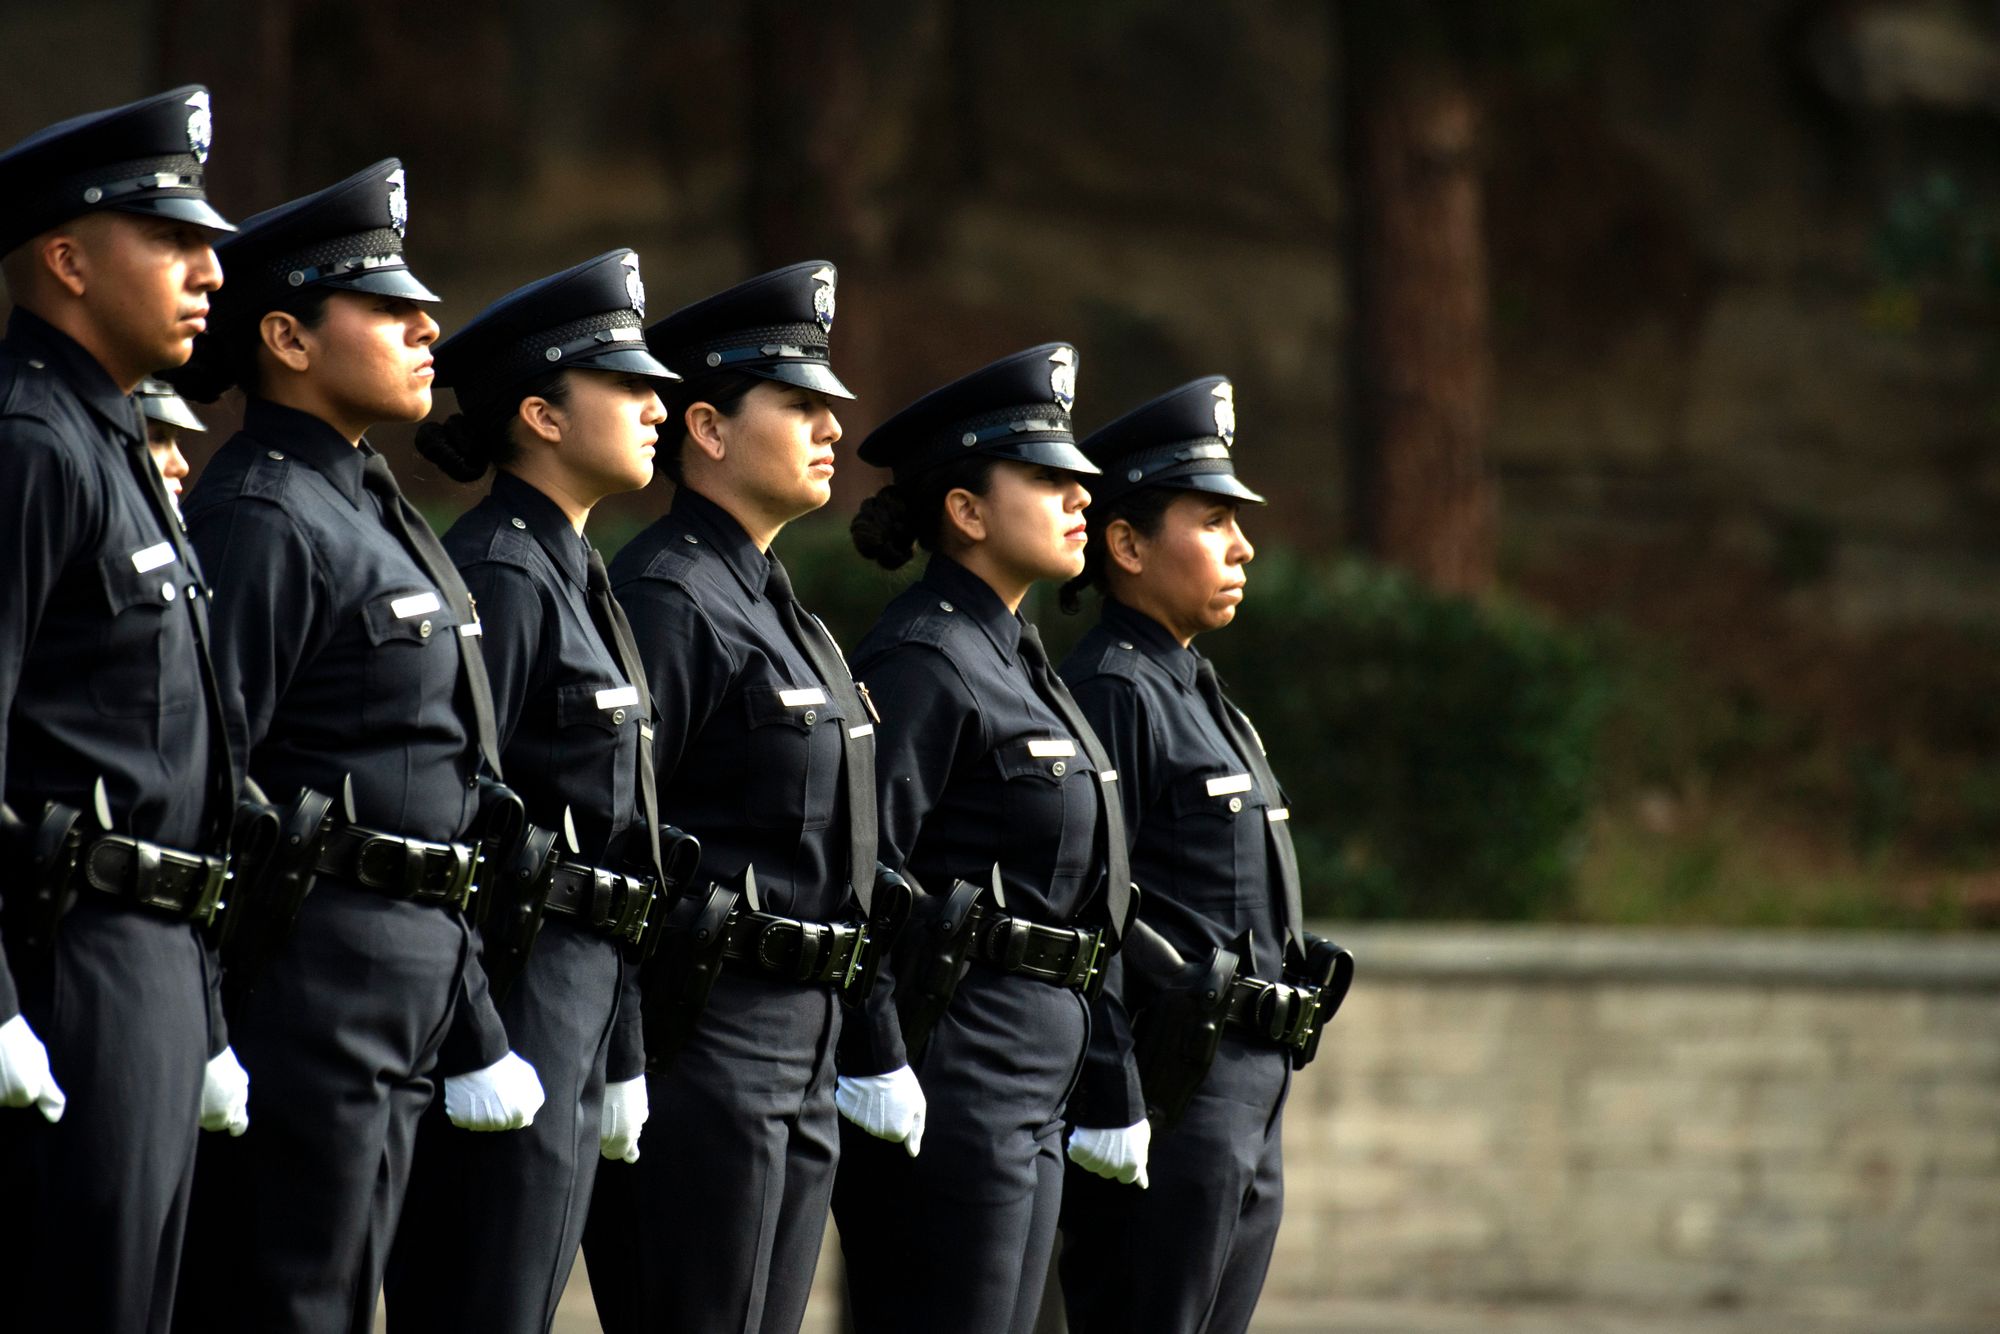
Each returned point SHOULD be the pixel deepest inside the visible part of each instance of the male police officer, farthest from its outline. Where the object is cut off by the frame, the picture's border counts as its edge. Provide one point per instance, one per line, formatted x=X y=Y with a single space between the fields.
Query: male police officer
x=118 y=788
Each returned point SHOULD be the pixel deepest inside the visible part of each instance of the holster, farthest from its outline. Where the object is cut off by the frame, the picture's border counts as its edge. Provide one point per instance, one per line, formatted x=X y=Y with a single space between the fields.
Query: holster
x=513 y=893
x=1177 y=1027
x=680 y=858
x=1329 y=969
x=500 y=823
x=254 y=834
x=677 y=983
x=49 y=850
x=889 y=912
x=930 y=960
x=265 y=898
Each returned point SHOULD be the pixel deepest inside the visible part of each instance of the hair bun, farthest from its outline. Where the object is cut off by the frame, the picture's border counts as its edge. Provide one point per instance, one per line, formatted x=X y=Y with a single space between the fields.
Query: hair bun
x=450 y=445
x=206 y=376
x=882 y=529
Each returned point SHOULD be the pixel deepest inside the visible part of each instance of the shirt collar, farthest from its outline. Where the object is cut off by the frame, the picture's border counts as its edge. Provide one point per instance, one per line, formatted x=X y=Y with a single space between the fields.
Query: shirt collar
x=548 y=523
x=966 y=592
x=306 y=437
x=86 y=378
x=1151 y=638
x=716 y=526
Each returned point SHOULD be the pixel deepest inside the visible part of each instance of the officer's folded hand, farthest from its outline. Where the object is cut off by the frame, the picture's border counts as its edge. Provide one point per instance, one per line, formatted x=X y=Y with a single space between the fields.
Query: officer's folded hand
x=890 y=1106
x=504 y=1096
x=625 y=1113
x=225 y=1094
x=1113 y=1154
x=24 y=1071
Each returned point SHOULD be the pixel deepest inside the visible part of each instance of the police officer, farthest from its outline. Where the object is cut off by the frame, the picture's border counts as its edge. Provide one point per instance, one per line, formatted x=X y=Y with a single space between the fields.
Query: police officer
x=1210 y=845
x=351 y=647
x=117 y=781
x=167 y=415
x=765 y=755
x=984 y=760
x=493 y=1221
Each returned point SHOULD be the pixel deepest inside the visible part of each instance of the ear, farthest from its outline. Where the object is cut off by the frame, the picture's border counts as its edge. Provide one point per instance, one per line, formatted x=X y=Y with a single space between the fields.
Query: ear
x=285 y=338
x=966 y=512
x=1125 y=546
x=705 y=428
x=543 y=419
x=65 y=259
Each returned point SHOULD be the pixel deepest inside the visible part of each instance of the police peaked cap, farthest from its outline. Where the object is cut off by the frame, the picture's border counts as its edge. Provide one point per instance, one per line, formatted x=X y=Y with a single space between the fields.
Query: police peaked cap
x=776 y=326
x=160 y=403
x=144 y=157
x=1181 y=440
x=1017 y=408
x=586 y=317
x=348 y=237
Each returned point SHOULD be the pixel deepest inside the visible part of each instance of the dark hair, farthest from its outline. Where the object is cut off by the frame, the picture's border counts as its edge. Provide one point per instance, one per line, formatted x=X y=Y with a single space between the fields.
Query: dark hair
x=225 y=356
x=481 y=435
x=893 y=522
x=722 y=390
x=1145 y=509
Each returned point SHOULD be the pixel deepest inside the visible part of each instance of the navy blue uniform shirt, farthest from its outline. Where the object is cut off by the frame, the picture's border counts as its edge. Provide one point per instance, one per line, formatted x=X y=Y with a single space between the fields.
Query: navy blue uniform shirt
x=98 y=666
x=748 y=747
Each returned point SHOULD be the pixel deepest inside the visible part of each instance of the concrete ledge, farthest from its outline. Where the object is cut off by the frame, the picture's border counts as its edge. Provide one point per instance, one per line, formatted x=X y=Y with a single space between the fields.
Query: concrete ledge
x=1933 y=962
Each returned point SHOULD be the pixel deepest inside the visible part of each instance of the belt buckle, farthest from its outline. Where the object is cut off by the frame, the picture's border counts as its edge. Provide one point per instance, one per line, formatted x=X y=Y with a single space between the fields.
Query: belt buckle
x=207 y=903
x=459 y=884
x=1307 y=1020
x=635 y=907
x=1083 y=968
x=854 y=959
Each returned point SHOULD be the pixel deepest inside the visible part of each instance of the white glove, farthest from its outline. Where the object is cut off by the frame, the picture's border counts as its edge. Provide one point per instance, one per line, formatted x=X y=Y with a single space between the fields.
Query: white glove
x=625 y=1112
x=887 y=1106
x=504 y=1096
x=24 y=1071
x=225 y=1094
x=1113 y=1154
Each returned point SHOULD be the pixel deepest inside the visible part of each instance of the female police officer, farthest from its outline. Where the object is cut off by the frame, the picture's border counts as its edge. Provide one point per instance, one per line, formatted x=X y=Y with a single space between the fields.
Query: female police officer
x=347 y=641
x=1210 y=845
x=983 y=761
x=765 y=755
x=564 y=431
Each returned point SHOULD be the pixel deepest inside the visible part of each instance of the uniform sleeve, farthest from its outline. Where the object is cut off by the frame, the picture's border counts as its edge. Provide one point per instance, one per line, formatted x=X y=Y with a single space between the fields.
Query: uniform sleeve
x=627 y=1057
x=39 y=531
x=513 y=616
x=928 y=720
x=1107 y=1091
x=688 y=667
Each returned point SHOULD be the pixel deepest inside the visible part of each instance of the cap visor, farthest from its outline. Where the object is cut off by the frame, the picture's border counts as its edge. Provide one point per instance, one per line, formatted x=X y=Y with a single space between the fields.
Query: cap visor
x=629 y=360
x=385 y=282
x=173 y=412
x=1220 y=483
x=181 y=208
x=1048 y=453
x=805 y=374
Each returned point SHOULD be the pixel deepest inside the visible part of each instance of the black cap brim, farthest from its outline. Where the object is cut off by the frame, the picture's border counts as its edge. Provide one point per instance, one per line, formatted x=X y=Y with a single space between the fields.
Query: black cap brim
x=806 y=375
x=625 y=360
x=1045 y=453
x=172 y=412
x=384 y=282
x=1219 y=483
x=181 y=208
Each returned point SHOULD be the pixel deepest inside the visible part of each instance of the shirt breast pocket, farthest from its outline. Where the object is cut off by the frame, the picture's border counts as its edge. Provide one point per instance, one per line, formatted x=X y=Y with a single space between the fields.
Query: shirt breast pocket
x=412 y=653
x=1218 y=822
x=1049 y=802
x=792 y=757
x=598 y=751
x=147 y=664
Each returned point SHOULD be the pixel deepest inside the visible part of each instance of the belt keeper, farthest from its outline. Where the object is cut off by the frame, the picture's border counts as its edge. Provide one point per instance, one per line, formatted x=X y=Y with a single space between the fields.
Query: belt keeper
x=413 y=870
x=815 y=948
x=145 y=870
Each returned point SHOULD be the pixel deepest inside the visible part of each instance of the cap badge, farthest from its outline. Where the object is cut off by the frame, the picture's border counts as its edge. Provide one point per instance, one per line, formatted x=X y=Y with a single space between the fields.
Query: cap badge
x=399 y=202
x=201 y=126
x=823 y=297
x=1062 y=376
x=635 y=287
x=1225 y=412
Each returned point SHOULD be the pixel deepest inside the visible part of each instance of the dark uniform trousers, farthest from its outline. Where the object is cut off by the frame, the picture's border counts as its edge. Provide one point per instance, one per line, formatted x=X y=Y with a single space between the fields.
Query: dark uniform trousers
x=1187 y=1255
x=958 y=1238
x=120 y=1004
x=492 y=1208
x=293 y=1222
x=717 y=1228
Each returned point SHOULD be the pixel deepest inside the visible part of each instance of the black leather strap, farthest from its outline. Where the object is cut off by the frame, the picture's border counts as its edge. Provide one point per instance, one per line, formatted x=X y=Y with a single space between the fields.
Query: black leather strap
x=184 y=884
x=1273 y=1014
x=602 y=900
x=1066 y=957
x=438 y=874
x=815 y=953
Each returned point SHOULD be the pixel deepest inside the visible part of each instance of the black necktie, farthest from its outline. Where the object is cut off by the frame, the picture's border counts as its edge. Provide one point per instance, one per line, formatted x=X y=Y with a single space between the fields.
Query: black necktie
x=616 y=632
x=423 y=545
x=1111 y=812
x=857 y=752
x=1244 y=738
x=222 y=760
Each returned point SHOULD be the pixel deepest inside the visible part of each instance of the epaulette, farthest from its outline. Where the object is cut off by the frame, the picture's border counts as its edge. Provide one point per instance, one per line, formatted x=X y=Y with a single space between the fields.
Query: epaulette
x=25 y=387
x=672 y=565
x=269 y=473
x=510 y=545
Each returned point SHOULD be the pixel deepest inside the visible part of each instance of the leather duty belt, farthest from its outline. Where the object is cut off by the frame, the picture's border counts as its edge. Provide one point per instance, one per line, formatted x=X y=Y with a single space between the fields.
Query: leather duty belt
x=817 y=953
x=602 y=900
x=184 y=884
x=1066 y=957
x=1274 y=1014
x=436 y=874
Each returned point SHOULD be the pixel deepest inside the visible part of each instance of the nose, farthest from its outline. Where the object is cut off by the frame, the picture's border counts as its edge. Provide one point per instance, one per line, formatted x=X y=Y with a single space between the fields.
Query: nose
x=175 y=465
x=831 y=431
x=654 y=412
x=1078 y=499
x=1244 y=552
x=205 y=273
x=424 y=328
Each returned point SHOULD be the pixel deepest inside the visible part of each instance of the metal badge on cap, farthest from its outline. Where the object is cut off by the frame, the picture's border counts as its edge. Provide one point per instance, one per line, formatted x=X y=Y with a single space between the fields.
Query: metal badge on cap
x=1225 y=412
x=823 y=298
x=399 y=202
x=1062 y=376
x=201 y=125
x=635 y=286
